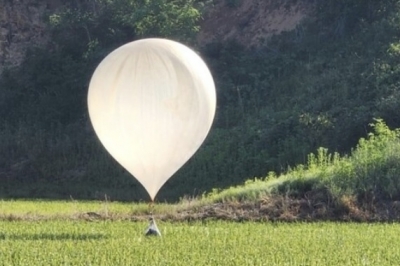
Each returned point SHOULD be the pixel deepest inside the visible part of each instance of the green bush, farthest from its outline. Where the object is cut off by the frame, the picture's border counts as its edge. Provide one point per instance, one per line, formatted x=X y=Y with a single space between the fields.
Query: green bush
x=372 y=171
x=373 y=168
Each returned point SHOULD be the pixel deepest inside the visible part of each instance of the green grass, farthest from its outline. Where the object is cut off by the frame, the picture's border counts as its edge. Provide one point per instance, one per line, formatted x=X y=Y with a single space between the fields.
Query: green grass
x=207 y=243
x=59 y=240
x=371 y=170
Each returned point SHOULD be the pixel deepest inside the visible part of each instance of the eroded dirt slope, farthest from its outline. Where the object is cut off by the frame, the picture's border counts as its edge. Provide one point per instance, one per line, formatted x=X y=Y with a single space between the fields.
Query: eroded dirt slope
x=22 y=26
x=248 y=21
x=251 y=21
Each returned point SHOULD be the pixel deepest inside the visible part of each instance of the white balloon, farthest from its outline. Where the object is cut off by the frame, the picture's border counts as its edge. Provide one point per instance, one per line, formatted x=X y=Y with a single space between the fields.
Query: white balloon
x=152 y=103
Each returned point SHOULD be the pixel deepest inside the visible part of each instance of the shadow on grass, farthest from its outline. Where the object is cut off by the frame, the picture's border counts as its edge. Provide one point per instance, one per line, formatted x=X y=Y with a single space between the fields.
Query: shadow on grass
x=56 y=237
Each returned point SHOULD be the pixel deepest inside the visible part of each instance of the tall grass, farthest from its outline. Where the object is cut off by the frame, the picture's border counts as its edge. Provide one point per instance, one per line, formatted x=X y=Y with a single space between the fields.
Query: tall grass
x=371 y=170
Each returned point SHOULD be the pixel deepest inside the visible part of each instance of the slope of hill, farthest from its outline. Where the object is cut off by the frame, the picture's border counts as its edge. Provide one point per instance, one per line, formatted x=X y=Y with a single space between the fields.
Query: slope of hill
x=251 y=22
x=320 y=84
x=23 y=23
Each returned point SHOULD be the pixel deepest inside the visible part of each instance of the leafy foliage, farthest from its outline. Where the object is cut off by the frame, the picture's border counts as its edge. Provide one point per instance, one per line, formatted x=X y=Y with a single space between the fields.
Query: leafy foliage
x=373 y=169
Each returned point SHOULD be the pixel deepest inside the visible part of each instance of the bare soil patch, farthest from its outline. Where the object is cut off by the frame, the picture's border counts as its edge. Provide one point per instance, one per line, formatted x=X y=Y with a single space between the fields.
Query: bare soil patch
x=251 y=21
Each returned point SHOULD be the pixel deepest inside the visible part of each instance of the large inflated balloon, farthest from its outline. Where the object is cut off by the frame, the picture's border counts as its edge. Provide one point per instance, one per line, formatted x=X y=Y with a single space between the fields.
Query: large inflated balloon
x=152 y=103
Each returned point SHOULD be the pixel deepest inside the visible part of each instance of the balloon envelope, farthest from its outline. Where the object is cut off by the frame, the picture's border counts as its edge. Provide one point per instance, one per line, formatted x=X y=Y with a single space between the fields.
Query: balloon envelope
x=151 y=103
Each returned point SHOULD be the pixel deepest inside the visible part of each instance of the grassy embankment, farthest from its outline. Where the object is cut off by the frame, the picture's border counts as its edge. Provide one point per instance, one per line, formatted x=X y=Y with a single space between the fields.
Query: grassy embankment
x=363 y=186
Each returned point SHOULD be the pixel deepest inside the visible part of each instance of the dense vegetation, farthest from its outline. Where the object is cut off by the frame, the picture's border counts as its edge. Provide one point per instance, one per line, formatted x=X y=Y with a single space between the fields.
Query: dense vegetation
x=320 y=85
x=369 y=175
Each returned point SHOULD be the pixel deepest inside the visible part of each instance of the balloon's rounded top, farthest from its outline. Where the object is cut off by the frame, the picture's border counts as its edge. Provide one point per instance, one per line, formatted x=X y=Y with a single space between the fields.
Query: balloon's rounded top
x=152 y=103
x=153 y=44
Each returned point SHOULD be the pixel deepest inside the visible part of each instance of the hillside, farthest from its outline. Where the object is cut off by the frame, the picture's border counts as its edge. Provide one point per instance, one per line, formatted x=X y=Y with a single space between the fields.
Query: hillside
x=251 y=22
x=23 y=23
x=22 y=26
x=291 y=77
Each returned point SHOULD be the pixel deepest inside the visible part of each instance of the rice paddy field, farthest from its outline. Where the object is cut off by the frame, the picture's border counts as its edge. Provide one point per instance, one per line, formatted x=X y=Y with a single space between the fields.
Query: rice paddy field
x=65 y=240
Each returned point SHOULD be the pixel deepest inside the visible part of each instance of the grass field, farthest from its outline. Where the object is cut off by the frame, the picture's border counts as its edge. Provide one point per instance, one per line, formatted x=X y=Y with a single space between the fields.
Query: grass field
x=62 y=241
x=72 y=209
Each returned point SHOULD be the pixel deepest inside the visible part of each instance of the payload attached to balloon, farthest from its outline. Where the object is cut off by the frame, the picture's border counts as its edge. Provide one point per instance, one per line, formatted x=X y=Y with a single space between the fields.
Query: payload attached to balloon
x=152 y=103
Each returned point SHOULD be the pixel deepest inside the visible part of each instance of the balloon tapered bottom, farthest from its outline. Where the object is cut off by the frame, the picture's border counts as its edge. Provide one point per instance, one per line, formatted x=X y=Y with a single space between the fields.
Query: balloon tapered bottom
x=152 y=230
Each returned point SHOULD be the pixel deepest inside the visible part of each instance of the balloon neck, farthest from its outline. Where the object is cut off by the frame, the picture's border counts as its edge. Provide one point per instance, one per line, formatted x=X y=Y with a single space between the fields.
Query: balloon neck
x=151 y=207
